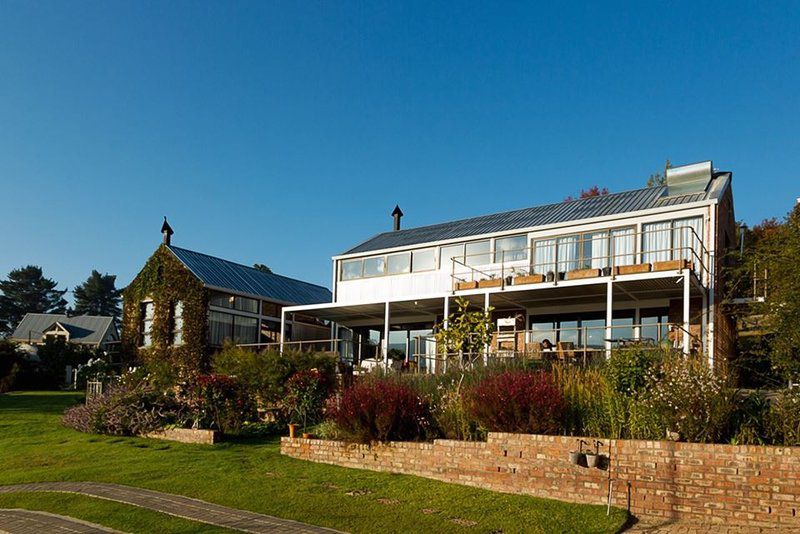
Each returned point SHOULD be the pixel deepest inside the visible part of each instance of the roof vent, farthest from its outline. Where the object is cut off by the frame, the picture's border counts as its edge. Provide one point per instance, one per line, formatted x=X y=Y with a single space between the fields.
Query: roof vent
x=688 y=179
x=166 y=232
x=397 y=214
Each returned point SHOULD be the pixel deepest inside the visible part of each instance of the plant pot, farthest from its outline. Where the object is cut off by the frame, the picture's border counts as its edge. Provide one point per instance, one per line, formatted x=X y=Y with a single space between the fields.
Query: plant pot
x=592 y=460
x=634 y=269
x=606 y=271
x=308 y=435
x=576 y=458
x=551 y=276
x=491 y=282
x=461 y=286
x=671 y=265
x=292 y=430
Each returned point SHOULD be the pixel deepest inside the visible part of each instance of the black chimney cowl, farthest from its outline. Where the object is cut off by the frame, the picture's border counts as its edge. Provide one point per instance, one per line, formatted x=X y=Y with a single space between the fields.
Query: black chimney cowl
x=397 y=214
x=166 y=232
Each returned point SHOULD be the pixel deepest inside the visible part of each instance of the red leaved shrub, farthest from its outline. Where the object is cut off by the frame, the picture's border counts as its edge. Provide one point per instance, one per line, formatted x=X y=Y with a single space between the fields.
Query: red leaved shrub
x=517 y=401
x=381 y=409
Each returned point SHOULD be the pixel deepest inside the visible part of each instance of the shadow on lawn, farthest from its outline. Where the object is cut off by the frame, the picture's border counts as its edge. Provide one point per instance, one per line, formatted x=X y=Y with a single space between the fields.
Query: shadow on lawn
x=39 y=402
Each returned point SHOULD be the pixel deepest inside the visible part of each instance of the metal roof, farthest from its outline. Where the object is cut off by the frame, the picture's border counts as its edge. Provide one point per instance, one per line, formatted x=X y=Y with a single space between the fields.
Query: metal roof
x=568 y=211
x=86 y=329
x=225 y=274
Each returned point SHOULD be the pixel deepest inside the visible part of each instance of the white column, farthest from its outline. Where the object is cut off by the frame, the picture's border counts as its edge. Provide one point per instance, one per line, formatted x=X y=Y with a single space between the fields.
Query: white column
x=486 y=347
x=386 y=337
x=333 y=337
x=609 y=315
x=686 y=292
x=445 y=321
x=283 y=328
x=637 y=323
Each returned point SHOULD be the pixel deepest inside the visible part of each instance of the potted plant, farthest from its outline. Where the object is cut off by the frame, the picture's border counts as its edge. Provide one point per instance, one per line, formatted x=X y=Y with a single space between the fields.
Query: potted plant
x=551 y=276
x=578 y=457
x=292 y=430
x=522 y=276
x=592 y=457
x=491 y=281
x=466 y=284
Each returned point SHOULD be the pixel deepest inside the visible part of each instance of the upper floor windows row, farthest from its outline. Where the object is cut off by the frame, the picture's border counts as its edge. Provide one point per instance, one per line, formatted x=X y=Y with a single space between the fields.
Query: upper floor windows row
x=234 y=302
x=402 y=262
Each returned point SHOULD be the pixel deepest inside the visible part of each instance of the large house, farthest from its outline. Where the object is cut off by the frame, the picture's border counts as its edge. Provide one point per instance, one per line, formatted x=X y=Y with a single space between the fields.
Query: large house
x=95 y=332
x=184 y=305
x=576 y=278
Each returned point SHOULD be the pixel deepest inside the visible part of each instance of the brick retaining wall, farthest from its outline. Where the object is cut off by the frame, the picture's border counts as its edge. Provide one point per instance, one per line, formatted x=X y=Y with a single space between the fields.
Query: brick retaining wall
x=744 y=485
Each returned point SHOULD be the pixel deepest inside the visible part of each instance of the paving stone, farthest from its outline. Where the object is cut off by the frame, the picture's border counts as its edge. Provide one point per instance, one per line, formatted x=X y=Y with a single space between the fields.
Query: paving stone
x=14 y=521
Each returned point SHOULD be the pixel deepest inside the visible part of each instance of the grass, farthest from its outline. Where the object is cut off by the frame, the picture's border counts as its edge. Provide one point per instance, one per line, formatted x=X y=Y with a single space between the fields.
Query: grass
x=253 y=475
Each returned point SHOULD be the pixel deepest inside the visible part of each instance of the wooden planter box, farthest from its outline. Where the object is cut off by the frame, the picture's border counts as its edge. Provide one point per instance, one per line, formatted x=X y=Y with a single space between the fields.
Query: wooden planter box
x=461 y=286
x=186 y=435
x=671 y=265
x=528 y=279
x=583 y=273
x=634 y=269
x=493 y=282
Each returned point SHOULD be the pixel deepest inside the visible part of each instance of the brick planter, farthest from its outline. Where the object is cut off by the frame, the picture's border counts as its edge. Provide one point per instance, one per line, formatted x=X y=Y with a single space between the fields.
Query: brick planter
x=730 y=484
x=493 y=282
x=186 y=435
x=578 y=274
x=633 y=269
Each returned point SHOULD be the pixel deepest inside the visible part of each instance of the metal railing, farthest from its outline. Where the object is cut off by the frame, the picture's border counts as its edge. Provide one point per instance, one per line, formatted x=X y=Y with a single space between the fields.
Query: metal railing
x=347 y=350
x=565 y=257
x=579 y=345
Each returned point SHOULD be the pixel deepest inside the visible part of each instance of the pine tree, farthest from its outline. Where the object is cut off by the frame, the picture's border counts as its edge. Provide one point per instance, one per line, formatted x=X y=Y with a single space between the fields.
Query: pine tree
x=98 y=295
x=27 y=291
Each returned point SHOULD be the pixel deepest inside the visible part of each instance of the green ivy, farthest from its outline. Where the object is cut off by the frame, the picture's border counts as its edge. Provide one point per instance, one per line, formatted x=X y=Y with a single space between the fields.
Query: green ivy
x=165 y=281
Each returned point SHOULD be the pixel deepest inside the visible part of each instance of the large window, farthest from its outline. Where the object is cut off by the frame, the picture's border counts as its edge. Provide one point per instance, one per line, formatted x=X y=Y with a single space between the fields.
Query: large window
x=391 y=264
x=177 y=323
x=245 y=329
x=544 y=255
x=478 y=253
x=448 y=253
x=146 y=324
x=233 y=302
x=238 y=328
x=511 y=248
x=672 y=240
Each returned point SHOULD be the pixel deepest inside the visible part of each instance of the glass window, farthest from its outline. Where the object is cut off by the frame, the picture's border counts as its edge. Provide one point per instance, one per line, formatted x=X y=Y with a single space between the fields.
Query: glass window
x=245 y=329
x=623 y=246
x=246 y=304
x=569 y=332
x=399 y=263
x=177 y=323
x=543 y=330
x=544 y=252
x=270 y=309
x=423 y=260
x=374 y=266
x=351 y=269
x=511 y=248
x=270 y=331
x=446 y=255
x=656 y=244
x=595 y=250
x=478 y=253
x=622 y=328
x=568 y=253
x=146 y=327
x=221 y=300
x=220 y=327
x=686 y=238
x=594 y=332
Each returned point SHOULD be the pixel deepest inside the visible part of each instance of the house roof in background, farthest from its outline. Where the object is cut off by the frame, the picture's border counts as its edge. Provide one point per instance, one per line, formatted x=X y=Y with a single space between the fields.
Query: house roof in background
x=87 y=329
x=224 y=274
x=562 y=212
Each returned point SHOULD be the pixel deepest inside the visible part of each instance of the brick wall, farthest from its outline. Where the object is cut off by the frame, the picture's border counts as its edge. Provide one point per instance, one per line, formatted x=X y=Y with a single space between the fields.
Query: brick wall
x=746 y=485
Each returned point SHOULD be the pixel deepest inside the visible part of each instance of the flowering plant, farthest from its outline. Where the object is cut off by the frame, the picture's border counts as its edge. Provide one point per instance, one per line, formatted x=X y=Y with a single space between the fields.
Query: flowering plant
x=306 y=392
x=220 y=402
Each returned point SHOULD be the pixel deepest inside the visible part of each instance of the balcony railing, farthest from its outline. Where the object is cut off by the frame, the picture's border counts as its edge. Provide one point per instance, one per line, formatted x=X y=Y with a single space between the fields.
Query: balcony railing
x=575 y=257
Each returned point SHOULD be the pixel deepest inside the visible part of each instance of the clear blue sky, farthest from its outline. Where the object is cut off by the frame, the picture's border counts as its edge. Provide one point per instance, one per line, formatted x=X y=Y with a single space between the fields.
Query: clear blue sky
x=284 y=133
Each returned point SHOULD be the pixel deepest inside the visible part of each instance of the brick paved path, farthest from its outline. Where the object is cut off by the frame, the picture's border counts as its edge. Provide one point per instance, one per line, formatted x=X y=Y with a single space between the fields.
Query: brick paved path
x=176 y=505
x=30 y=522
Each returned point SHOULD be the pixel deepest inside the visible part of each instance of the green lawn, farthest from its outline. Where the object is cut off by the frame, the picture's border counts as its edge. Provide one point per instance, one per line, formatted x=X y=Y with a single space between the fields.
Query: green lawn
x=35 y=447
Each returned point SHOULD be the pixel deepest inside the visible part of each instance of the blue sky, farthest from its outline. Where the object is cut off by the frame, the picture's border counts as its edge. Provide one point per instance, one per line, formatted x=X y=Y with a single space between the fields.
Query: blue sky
x=284 y=133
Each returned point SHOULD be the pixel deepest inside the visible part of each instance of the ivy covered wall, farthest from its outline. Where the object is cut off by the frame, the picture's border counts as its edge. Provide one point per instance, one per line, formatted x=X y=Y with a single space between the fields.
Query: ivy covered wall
x=165 y=281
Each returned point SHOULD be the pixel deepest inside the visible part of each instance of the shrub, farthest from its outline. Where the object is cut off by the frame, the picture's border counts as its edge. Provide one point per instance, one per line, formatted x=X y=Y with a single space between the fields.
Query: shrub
x=688 y=398
x=750 y=420
x=125 y=412
x=265 y=374
x=381 y=409
x=10 y=361
x=582 y=390
x=306 y=392
x=220 y=402
x=517 y=401
x=627 y=370
x=94 y=369
x=450 y=414
x=783 y=420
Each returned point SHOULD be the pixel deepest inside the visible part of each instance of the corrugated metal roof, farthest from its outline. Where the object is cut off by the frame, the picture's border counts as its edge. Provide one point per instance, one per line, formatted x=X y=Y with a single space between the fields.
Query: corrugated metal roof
x=568 y=211
x=88 y=329
x=226 y=274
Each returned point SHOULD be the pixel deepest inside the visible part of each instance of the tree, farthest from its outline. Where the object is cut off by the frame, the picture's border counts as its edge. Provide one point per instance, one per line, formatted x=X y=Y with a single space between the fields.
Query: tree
x=467 y=334
x=659 y=178
x=98 y=295
x=27 y=291
x=261 y=267
x=593 y=191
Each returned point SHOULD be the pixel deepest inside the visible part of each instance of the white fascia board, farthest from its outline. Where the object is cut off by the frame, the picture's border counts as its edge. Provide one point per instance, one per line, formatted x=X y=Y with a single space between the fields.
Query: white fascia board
x=578 y=223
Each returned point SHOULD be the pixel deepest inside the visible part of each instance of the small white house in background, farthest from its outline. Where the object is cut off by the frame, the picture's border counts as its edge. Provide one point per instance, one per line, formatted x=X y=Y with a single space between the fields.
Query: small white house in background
x=97 y=332
x=573 y=279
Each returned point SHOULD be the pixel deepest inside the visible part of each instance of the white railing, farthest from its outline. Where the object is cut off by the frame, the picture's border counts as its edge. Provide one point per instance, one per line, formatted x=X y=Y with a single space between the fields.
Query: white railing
x=566 y=262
